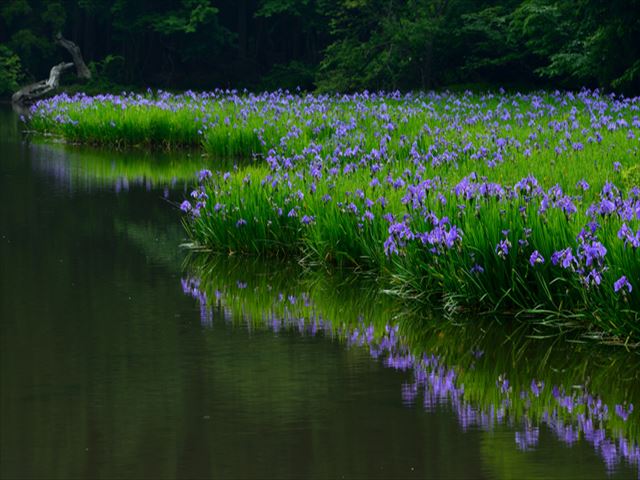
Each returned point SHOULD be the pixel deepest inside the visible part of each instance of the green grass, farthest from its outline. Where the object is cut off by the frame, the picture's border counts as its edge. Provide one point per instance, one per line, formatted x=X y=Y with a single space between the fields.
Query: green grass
x=317 y=156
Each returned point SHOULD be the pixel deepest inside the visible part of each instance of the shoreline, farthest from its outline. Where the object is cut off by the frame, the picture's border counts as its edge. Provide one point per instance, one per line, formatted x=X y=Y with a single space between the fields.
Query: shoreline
x=524 y=203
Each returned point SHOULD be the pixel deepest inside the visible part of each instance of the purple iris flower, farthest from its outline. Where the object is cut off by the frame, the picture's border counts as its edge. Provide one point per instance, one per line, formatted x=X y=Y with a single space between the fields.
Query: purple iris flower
x=564 y=257
x=624 y=413
x=594 y=252
x=502 y=248
x=583 y=184
x=185 y=206
x=503 y=384
x=536 y=258
x=537 y=387
x=621 y=284
x=204 y=174
x=476 y=269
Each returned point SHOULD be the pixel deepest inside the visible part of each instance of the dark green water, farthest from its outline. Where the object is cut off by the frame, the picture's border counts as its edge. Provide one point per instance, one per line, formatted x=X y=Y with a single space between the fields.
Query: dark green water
x=118 y=363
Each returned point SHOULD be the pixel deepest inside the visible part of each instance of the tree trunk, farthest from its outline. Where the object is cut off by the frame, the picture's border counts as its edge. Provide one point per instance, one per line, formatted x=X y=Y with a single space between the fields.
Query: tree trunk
x=38 y=89
x=242 y=29
x=81 y=68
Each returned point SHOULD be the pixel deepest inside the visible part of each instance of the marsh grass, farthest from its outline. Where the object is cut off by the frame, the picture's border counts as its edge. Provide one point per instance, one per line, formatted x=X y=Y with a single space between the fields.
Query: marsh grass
x=544 y=293
x=339 y=180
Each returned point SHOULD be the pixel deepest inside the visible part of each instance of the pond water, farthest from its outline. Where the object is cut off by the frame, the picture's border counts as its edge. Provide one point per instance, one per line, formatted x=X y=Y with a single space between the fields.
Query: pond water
x=122 y=358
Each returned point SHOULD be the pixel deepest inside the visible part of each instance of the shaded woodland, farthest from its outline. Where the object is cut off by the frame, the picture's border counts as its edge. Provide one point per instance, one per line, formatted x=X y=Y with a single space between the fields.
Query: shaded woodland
x=337 y=45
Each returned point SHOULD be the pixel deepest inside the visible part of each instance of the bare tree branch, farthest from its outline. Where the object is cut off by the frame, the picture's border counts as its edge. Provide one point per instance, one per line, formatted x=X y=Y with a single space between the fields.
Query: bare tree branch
x=81 y=68
x=41 y=88
x=36 y=90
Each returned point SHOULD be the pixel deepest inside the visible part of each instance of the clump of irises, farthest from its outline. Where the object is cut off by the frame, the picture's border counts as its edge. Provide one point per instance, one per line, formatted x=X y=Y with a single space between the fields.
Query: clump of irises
x=540 y=253
x=506 y=203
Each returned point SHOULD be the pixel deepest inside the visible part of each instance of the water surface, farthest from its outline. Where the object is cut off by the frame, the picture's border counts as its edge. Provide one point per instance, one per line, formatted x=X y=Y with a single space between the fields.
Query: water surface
x=117 y=362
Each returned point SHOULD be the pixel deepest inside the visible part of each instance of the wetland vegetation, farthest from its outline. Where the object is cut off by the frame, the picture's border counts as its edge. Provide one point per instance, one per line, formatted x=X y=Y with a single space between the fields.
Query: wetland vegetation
x=320 y=239
x=524 y=204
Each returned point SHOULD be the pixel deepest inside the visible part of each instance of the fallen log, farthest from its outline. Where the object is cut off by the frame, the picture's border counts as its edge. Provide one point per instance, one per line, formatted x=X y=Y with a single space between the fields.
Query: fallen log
x=37 y=90
x=41 y=88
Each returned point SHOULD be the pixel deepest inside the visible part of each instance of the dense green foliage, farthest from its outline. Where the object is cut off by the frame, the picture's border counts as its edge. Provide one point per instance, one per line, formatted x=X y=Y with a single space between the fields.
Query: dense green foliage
x=334 y=45
x=9 y=71
x=525 y=204
x=503 y=203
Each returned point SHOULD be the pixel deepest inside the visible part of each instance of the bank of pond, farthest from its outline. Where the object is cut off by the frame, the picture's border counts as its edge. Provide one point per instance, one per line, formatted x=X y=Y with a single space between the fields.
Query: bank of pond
x=523 y=205
x=533 y=394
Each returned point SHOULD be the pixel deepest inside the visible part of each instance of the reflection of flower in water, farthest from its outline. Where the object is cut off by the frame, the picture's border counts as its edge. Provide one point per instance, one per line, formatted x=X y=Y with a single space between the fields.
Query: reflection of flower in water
x=527 y=439
x=569 y=416
x=72 y=171
x=191 y=287
x=624 y=413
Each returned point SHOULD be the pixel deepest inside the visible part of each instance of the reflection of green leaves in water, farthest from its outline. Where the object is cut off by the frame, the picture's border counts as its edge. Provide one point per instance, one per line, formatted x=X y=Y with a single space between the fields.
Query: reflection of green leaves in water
x=9 y=130
x=251 y=286
x=159 y=245
x=481 y=352
x=504 y=461
x=90 y=166
x=508 y=350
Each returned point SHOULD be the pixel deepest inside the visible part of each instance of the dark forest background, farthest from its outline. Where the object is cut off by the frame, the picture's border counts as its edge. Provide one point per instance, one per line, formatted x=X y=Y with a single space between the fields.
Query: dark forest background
x=328 y=45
